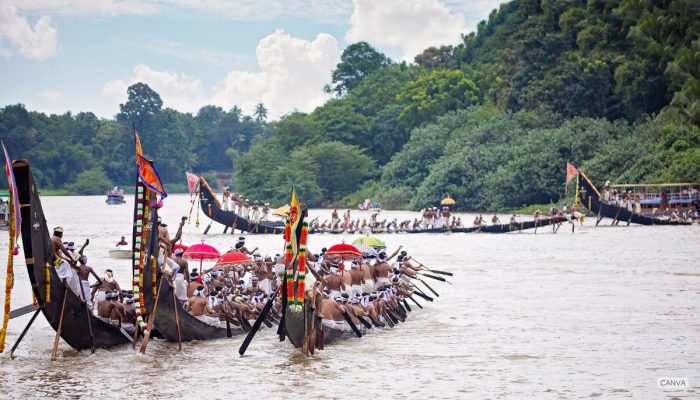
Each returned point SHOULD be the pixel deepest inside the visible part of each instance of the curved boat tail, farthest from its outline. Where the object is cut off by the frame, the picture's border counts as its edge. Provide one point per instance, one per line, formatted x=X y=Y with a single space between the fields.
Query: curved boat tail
x=47 y=287
x=212 y=208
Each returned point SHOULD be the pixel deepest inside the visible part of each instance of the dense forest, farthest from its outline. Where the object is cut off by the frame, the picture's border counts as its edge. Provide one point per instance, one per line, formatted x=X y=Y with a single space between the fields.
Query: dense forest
x=610 y=85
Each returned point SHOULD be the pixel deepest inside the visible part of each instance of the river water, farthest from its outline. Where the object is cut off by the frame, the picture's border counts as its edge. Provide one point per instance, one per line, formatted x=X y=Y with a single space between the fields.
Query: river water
x=602 y=312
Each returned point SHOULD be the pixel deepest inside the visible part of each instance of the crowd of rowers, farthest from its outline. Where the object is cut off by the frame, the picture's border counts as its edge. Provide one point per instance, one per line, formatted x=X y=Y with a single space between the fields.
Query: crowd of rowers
x=431 y=218
x=237 y=293
x=370 y=287
x=105 y=299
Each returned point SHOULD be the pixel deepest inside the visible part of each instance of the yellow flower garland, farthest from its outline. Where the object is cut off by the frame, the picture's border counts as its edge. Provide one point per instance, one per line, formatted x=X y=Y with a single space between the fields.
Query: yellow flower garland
x=9 y=278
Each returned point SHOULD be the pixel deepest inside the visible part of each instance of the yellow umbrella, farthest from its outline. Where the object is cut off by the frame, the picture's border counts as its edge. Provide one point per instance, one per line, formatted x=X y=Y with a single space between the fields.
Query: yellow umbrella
x=448 y=201
x=282 y=211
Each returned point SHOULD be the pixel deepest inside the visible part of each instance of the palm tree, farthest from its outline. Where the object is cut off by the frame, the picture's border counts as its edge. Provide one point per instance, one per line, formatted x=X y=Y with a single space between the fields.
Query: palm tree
x=260 y=112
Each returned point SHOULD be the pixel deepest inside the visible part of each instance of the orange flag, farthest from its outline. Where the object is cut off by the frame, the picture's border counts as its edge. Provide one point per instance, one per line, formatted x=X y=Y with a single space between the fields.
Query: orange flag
x=148 y=174
x=571 y=171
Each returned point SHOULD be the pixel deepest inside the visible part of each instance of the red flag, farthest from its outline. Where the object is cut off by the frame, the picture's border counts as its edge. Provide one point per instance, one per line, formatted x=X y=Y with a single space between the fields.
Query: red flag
x=148 y=174
x=192 y=181
x=571 y=171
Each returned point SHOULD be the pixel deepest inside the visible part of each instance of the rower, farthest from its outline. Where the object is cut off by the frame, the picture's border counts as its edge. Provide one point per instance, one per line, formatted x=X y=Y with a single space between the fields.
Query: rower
x=368 y=282
x=334 y=282
x=84 y=272
x=513 y=219
x=381 y=271
x=198 y=306
x=356 y=279
x=108 y=310
x=105 y=285
x=495 y=220
x=240 y=246
x=129 y=314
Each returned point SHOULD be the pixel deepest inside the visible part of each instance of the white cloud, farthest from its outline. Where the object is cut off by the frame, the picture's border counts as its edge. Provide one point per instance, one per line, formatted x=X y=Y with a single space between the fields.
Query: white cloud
x=327 y=11
x=88 y=7
x=411 y=25
x=50 y=94
x=178 y=91
x=182 y=51
x=38 y=42
x=292 y=74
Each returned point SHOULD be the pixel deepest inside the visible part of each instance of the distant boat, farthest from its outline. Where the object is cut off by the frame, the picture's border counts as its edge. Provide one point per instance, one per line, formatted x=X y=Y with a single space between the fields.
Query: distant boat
x=368 y=205
x=619 y=209
x=115 y=196
x=120 y=252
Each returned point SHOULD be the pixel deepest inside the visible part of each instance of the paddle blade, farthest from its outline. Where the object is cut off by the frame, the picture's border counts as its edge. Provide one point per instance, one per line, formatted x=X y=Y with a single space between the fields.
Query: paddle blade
x=437 y=278
x=352 y=325
x=441 y=272
x=256 y=326
x=405 y=303
x=425 y=296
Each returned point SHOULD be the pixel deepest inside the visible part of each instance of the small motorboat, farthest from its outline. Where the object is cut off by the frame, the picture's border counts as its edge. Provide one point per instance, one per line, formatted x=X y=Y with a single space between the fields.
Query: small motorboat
x=120 y=252
x=115 y=196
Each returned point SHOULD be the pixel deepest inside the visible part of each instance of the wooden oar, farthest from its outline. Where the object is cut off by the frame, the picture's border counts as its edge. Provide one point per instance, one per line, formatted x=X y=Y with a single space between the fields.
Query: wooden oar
x=256 y=326
x=151 y=319
x=425 y=296
x=23 y=310
x=89 y=318
x=429 y=288
x=437 y=278
x=60 y=322
x=366 y=323
x=24 y=332
x=405 y=303
x=177 y=321
x=414 y=300
x=352 y=324
x=432 y=270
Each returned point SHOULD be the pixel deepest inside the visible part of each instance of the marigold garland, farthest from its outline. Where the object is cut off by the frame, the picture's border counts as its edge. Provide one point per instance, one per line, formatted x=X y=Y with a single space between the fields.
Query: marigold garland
x=47 y=278
x=154 y=265
x=9 y=278
x=138 y=254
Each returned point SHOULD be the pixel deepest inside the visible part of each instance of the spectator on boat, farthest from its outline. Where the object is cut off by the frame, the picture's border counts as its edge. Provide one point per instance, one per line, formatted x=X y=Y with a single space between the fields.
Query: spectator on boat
x=226 y=197
x=84 y=272
x=122 y=242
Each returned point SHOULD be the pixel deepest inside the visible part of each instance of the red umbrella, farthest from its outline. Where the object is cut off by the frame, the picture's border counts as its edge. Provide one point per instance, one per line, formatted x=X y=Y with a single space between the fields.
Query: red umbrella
x=233 y=257
x=343 y=252
x=201 y=252
x=179 y=246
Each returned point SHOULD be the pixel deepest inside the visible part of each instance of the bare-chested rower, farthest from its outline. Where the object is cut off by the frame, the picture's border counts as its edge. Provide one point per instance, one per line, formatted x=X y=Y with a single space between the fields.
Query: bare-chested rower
x=334 y=282
x=198 y=306
x=84 y=272
x=107 y=284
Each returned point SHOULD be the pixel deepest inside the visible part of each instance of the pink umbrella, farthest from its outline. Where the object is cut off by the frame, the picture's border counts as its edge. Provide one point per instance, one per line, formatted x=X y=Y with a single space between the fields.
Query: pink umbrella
x=201 y=252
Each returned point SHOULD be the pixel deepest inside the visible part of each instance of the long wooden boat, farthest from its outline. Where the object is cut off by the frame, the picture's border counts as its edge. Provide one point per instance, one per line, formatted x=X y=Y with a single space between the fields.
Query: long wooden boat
x=165 y=321
x=590 y=198
x=47 y=286
x=212 y=208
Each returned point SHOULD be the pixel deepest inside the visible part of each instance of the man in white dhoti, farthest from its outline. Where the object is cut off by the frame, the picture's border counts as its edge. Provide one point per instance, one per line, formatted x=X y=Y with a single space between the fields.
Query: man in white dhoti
x=84 y=272
x=225 y=198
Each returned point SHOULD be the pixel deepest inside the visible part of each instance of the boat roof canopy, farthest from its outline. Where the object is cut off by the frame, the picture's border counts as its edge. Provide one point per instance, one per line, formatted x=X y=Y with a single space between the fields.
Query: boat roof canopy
x=633 y=185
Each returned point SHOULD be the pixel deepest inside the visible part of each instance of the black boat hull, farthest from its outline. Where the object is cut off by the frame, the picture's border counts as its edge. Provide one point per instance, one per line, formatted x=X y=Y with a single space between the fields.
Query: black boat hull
x=211 y=207
x=38 y=254
x=590 y=198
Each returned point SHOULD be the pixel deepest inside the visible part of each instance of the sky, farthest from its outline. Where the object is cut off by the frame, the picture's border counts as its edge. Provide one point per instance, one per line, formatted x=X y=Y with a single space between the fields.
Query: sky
x=82 y=55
